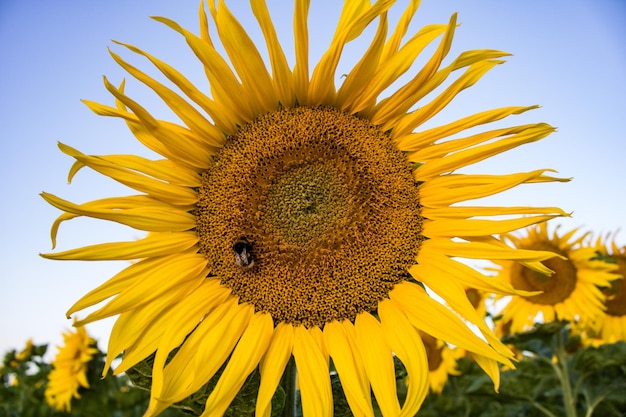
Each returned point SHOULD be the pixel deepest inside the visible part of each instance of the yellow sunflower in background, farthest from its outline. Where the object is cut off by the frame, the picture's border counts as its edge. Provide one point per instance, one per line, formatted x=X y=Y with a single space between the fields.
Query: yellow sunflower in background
x=441 y=362
x=293 y=217
x=25 y=353
x=69 y=372
x=610 y=326
x=570 y=292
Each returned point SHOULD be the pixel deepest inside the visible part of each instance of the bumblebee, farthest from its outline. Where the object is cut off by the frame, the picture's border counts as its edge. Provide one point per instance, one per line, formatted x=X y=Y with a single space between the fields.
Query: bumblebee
x=242 y=251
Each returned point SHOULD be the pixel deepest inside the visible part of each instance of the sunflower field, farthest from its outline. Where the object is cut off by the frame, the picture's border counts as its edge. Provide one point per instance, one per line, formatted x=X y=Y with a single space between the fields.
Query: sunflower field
x=312 y=241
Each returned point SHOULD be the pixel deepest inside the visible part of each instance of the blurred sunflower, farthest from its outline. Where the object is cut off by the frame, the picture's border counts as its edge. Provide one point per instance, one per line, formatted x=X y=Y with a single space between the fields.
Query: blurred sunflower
x=27 y=352
x=69 y=369
x=441 y=362
x=569 y=285
x=293 y=217
x=610 y=326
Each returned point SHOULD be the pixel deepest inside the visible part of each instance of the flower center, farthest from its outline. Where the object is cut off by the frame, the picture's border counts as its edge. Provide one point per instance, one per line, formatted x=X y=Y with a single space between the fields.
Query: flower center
x=307 y=203
x=616 y=294
x=556 y=288
x=309 y=214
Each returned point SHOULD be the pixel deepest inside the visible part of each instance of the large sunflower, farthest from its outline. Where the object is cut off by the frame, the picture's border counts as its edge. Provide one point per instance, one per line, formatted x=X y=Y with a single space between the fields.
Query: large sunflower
x=568 y=290
x=291 y=217
x=69 y=372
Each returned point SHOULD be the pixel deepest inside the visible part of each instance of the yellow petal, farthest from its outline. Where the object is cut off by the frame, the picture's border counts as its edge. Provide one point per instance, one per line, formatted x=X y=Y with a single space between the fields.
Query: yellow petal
x=475 y=154
x=168 y=193
x=465 y=227
x=351 y=23
x=405 y=97
x=245 y=58
x=468 y=276
x=490 y=367
x=156 y=244
x=272 y=366
x=181 y=142
x=125 y=278
x=433 y=318
x=132 y=121
x=204 y=351
x=453 y=292
x=157 y=219
x=179 y=270
x=358 y=80
x=453 y=188
x=301 y=43
x=313 y=377
x=282 y=79
x=465 y=212
x=183 y=319
x=440 y=150
x=469 y=78
x=393 y=108
x=148 y=333
x=390 y=70
x=103 y=110
x=225 y=121
x=163 y=169
x=129 y=326
x=421 y=140
x=244 y=359
x=206 y=131
x=392 y=45
x=481 y=250
x=224 y=85
x=406 y=343
x=350 y=369
x=378 y=363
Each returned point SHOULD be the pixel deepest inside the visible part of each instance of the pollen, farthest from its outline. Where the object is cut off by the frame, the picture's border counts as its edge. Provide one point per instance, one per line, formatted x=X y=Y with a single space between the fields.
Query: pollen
x=328 y=205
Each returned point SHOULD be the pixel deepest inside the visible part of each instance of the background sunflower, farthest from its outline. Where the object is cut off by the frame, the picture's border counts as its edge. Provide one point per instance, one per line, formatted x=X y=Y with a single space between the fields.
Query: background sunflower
x=69 y=372
x=570 y=292
x=610 y=326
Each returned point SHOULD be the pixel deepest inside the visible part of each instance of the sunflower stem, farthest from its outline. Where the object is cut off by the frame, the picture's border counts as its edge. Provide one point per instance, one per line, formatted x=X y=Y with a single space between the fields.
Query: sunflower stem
x=288 y=382
x=564 y=377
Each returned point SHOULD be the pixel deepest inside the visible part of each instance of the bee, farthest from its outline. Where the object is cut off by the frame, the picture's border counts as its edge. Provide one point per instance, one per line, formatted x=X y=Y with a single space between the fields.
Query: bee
x=242 y=250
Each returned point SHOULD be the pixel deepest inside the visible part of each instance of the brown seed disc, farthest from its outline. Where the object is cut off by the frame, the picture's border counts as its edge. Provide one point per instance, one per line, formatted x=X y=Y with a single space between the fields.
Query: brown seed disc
x=326 y=207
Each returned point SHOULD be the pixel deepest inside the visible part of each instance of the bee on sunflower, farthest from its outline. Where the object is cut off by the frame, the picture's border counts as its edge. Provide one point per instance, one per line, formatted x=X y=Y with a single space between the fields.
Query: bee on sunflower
x=290 y=217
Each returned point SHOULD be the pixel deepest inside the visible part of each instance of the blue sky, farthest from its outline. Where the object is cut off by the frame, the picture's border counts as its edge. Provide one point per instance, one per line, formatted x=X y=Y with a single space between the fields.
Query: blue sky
x=568 y=56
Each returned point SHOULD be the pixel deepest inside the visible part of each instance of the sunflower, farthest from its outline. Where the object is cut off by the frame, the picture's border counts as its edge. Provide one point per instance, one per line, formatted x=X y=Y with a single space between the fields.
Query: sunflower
x=290 y=217
x=569 y=288
x=69 y=371
x=610 y=326
x=26 y=353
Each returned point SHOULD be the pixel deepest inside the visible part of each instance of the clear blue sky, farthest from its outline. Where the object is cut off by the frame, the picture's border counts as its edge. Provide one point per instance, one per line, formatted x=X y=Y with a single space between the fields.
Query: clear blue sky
x=569 y=57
